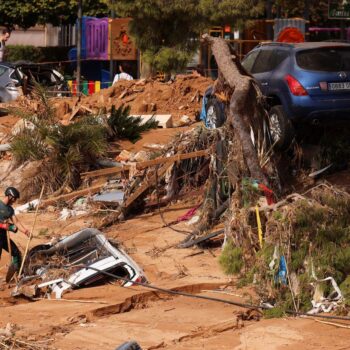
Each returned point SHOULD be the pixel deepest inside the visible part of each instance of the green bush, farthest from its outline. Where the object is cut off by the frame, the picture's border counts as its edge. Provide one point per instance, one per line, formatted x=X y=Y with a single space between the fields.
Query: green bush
x=231 y=259
x=23 y=53
x=171 y=60
x=28 y=146
x=36 y=54
x=67 y=150
x=168 y=60
x=345 y=288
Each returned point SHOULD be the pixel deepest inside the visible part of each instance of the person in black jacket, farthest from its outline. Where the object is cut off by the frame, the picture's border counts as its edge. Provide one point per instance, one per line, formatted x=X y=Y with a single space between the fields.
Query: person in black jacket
x=9 y=223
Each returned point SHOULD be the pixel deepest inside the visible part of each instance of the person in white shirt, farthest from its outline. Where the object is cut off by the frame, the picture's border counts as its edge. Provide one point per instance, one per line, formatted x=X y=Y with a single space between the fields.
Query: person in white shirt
x=123 y=75
x=5 y=35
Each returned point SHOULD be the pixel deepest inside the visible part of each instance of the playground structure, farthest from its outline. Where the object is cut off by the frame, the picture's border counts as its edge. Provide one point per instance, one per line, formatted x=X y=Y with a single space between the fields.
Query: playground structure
x=103 y=40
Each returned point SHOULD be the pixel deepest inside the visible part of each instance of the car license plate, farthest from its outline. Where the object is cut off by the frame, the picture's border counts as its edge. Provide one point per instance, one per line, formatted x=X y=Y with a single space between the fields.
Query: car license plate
x=339 y=86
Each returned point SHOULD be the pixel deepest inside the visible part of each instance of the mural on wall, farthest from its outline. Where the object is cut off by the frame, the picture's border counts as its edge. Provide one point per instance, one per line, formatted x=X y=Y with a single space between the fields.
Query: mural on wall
x=122 y=47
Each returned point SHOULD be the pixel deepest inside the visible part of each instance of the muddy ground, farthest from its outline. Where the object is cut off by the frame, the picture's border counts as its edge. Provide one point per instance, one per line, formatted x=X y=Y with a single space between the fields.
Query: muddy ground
x=103 y=317
x=106 y=316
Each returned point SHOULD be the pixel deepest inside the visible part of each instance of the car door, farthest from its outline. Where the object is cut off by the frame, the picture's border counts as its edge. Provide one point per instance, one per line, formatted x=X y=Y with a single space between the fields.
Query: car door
x=249 y=60
x=280 y=66
x=263 y=67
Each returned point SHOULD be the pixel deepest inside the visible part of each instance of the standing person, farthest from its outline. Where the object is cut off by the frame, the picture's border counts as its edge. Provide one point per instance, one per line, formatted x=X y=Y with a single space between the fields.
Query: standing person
x=9 y=222
x=124 y=73
x=6 y=33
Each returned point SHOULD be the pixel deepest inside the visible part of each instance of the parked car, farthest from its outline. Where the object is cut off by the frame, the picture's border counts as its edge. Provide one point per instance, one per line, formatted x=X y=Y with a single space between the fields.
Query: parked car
x=303 y=83
x=77 y=261
x=14 y=76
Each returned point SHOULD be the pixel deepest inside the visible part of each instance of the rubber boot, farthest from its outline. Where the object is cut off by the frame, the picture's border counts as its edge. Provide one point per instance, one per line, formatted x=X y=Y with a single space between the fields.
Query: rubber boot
x=13 y=268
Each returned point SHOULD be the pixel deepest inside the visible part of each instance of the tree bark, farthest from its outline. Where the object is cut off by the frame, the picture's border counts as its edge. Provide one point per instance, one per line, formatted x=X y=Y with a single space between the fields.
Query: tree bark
x=243 y=102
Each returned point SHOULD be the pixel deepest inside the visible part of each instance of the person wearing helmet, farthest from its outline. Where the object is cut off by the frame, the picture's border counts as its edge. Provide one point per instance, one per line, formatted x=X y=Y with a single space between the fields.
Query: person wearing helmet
x=9 y=223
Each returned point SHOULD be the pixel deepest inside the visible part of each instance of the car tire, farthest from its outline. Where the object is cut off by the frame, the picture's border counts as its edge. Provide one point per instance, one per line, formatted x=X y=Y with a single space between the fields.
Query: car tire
x=215 y=116
x=281 y=129
x=130 y=345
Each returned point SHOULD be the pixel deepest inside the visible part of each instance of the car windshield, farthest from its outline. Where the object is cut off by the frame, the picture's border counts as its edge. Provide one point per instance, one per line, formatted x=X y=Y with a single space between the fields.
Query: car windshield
x=326 y=59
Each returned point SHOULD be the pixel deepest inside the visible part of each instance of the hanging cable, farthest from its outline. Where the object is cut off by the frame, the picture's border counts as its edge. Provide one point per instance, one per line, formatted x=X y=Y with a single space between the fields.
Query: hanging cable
x=234 y=303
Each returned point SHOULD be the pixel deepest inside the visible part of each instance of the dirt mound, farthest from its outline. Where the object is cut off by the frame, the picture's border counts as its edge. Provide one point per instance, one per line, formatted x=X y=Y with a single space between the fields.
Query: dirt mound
x=181 y=97
x=178 y=98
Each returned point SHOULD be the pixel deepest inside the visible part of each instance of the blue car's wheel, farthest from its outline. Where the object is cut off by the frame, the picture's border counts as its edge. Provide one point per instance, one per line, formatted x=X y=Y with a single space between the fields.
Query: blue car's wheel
x=215 y=116
x=281 y=129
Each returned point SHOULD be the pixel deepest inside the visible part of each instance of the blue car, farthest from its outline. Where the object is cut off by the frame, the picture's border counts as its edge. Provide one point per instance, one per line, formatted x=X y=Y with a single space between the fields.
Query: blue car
x=303 y=82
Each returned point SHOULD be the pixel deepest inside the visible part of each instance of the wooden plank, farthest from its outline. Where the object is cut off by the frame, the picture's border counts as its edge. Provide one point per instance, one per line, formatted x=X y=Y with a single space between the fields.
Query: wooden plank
x=87 y=109
x=74 y=113
x=173 y=159
x=146 y=185
x=145 y=164
x=107 y=171
x=80 y=193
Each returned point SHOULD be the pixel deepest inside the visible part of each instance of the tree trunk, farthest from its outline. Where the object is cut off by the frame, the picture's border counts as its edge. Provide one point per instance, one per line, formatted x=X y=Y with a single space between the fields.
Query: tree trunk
x=243 y=102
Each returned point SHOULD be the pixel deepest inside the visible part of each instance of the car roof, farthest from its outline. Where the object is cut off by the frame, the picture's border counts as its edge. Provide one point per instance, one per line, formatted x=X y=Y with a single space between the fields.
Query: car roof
x=308 y=45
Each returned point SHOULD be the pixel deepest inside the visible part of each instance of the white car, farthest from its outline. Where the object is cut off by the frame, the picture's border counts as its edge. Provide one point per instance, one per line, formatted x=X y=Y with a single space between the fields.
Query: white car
x=14 y=76
x=82 y=258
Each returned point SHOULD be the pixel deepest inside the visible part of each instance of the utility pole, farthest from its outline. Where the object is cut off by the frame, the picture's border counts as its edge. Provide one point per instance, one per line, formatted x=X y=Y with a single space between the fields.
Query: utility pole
x=111 y=64
x=80 y=11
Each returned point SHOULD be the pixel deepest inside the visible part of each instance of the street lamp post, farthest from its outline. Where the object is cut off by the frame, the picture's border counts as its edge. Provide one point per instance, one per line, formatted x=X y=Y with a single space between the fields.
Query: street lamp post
x=80 y=11
x=111 y=65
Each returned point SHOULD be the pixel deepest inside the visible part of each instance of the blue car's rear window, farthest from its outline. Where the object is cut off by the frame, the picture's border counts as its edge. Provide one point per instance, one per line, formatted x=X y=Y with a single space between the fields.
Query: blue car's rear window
x=326 y=59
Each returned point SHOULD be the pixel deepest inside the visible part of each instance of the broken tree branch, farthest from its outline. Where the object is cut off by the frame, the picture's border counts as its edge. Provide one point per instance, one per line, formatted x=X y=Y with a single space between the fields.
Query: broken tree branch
x=65 y=197
x=146 y=164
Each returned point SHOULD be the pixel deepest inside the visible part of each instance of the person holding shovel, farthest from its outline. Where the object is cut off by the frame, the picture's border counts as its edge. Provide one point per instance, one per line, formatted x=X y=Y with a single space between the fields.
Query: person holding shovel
x=10 y=223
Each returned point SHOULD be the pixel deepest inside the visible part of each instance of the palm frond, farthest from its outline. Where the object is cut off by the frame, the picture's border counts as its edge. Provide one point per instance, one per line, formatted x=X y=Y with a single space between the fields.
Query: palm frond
x=123 y=126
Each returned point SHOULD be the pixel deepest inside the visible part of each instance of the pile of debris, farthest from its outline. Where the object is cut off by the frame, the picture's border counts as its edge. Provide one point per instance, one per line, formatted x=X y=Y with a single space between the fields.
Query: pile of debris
x=175 y=171
x=178 y=98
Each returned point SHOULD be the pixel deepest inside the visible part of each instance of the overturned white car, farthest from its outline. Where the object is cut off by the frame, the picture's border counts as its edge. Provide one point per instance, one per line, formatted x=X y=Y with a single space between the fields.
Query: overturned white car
x=83 y=259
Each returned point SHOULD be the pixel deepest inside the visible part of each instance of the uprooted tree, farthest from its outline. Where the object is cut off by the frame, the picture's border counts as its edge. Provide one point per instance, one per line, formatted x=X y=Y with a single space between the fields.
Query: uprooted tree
x=244 y=150
x=294 y=250
x=245 y=108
